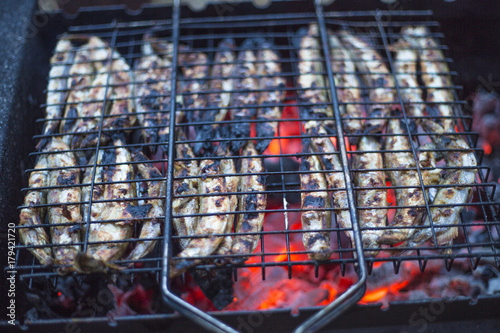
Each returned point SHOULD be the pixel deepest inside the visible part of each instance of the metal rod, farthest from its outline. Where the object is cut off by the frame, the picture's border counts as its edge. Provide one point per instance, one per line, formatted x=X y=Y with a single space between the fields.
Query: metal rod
x=357 y=290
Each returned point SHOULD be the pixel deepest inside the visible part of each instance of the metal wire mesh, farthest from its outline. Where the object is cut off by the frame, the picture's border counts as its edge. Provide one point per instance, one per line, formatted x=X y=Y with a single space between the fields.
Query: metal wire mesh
x=282 y=168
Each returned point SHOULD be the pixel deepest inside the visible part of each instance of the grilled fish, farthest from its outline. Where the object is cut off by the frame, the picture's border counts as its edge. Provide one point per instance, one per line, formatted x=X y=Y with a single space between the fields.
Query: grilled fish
x=404 y=175
x=227 y=168
x=92 y=111
x=455 y=193
x=221 y=84
x=81 y=75
x=33 y=215
x=314 y=204
x=214 y=206
x=185 y=166
x=251 y=203
x=348 y=89
x=64 y=213
x=153 y=84
x=114 y=168
x=113 y=85
x=195 y=69
x=376 y=76
x=405 y=66
x=435 y=77
x=368 y=196
x=312 y=85
x=245 y=98
x=427 y=158
x=57 y=86
x=154 y=191
x=272 y=84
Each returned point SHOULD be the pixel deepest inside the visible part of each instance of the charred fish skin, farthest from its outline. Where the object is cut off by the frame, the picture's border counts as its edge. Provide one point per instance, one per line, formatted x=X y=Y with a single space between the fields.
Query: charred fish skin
x=245 y=97
x=64 y=211
x=330 y=162
x=155 y=192
x=182 y=207
x=272 y=84
x=377 y=76
x=221 y=84
x=311 y=83
x=57 y=87
x=153 y=84
x=455 y=193
x=195 y=69
x=368 y=196
x=227 y=168
x=435 y=77
x=114 y=168
x=405 y=65
x=111 y=91
x=33 y=215
x=427 y=158
x=214 y=206
x=344 y=68
x=81 y=75
x=407 y=176
x=92 y=111
x=314 y=203
x=251 y=220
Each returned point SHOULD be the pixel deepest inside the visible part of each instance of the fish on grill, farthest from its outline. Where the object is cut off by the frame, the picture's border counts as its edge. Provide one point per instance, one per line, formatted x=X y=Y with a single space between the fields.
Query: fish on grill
x=93 y=109
x=214 y=206
x=185 y=167
x=81 y=75
x=152 y=189
x=455 y=193
x=347 y=88
x=374 y=199
x=221 y=85
x=112 y=214
x=57 y=87
x=405 y=65
x=405 y=175
x=111 y=92
x=33 y=215
x=314 y=204
x=427 y=158
x=435 y=77
x=195 y=69
x=251 y=221
x=311 y=82
x=153 y=84
x=245 y=97
x=227 y=168
x=63 y=198
x=272 y=84
x=376 y=76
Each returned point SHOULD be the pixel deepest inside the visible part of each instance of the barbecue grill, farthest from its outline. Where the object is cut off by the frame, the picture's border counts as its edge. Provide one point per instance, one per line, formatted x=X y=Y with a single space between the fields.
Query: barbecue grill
x=202 y=32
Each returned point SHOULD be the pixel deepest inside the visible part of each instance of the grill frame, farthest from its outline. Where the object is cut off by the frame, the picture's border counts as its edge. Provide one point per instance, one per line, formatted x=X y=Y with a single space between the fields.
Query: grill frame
x=358 y=237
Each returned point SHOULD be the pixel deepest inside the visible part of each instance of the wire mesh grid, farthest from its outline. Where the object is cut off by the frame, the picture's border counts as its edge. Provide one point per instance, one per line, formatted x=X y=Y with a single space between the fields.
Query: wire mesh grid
x=282 y=171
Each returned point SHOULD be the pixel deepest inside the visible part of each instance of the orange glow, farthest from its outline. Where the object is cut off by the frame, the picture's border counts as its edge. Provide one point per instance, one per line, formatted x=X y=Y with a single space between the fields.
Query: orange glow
x=396 y=287
x=377 y=264
x=374 y=295
x=274 y=147
x=332 y=293
x=487 y=148
x=334 y=140
x=273 y=299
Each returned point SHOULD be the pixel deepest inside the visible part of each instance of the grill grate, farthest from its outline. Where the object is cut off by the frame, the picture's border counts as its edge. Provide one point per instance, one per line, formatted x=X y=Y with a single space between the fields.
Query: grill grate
x=203 y=34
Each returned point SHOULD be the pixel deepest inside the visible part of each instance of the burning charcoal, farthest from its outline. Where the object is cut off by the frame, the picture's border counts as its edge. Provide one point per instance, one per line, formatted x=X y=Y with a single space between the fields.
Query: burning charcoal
x=217 y=285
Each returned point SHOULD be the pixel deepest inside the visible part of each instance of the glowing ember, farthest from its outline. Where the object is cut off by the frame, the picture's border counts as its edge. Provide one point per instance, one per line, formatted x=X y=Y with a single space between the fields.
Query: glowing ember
x=487 y=148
